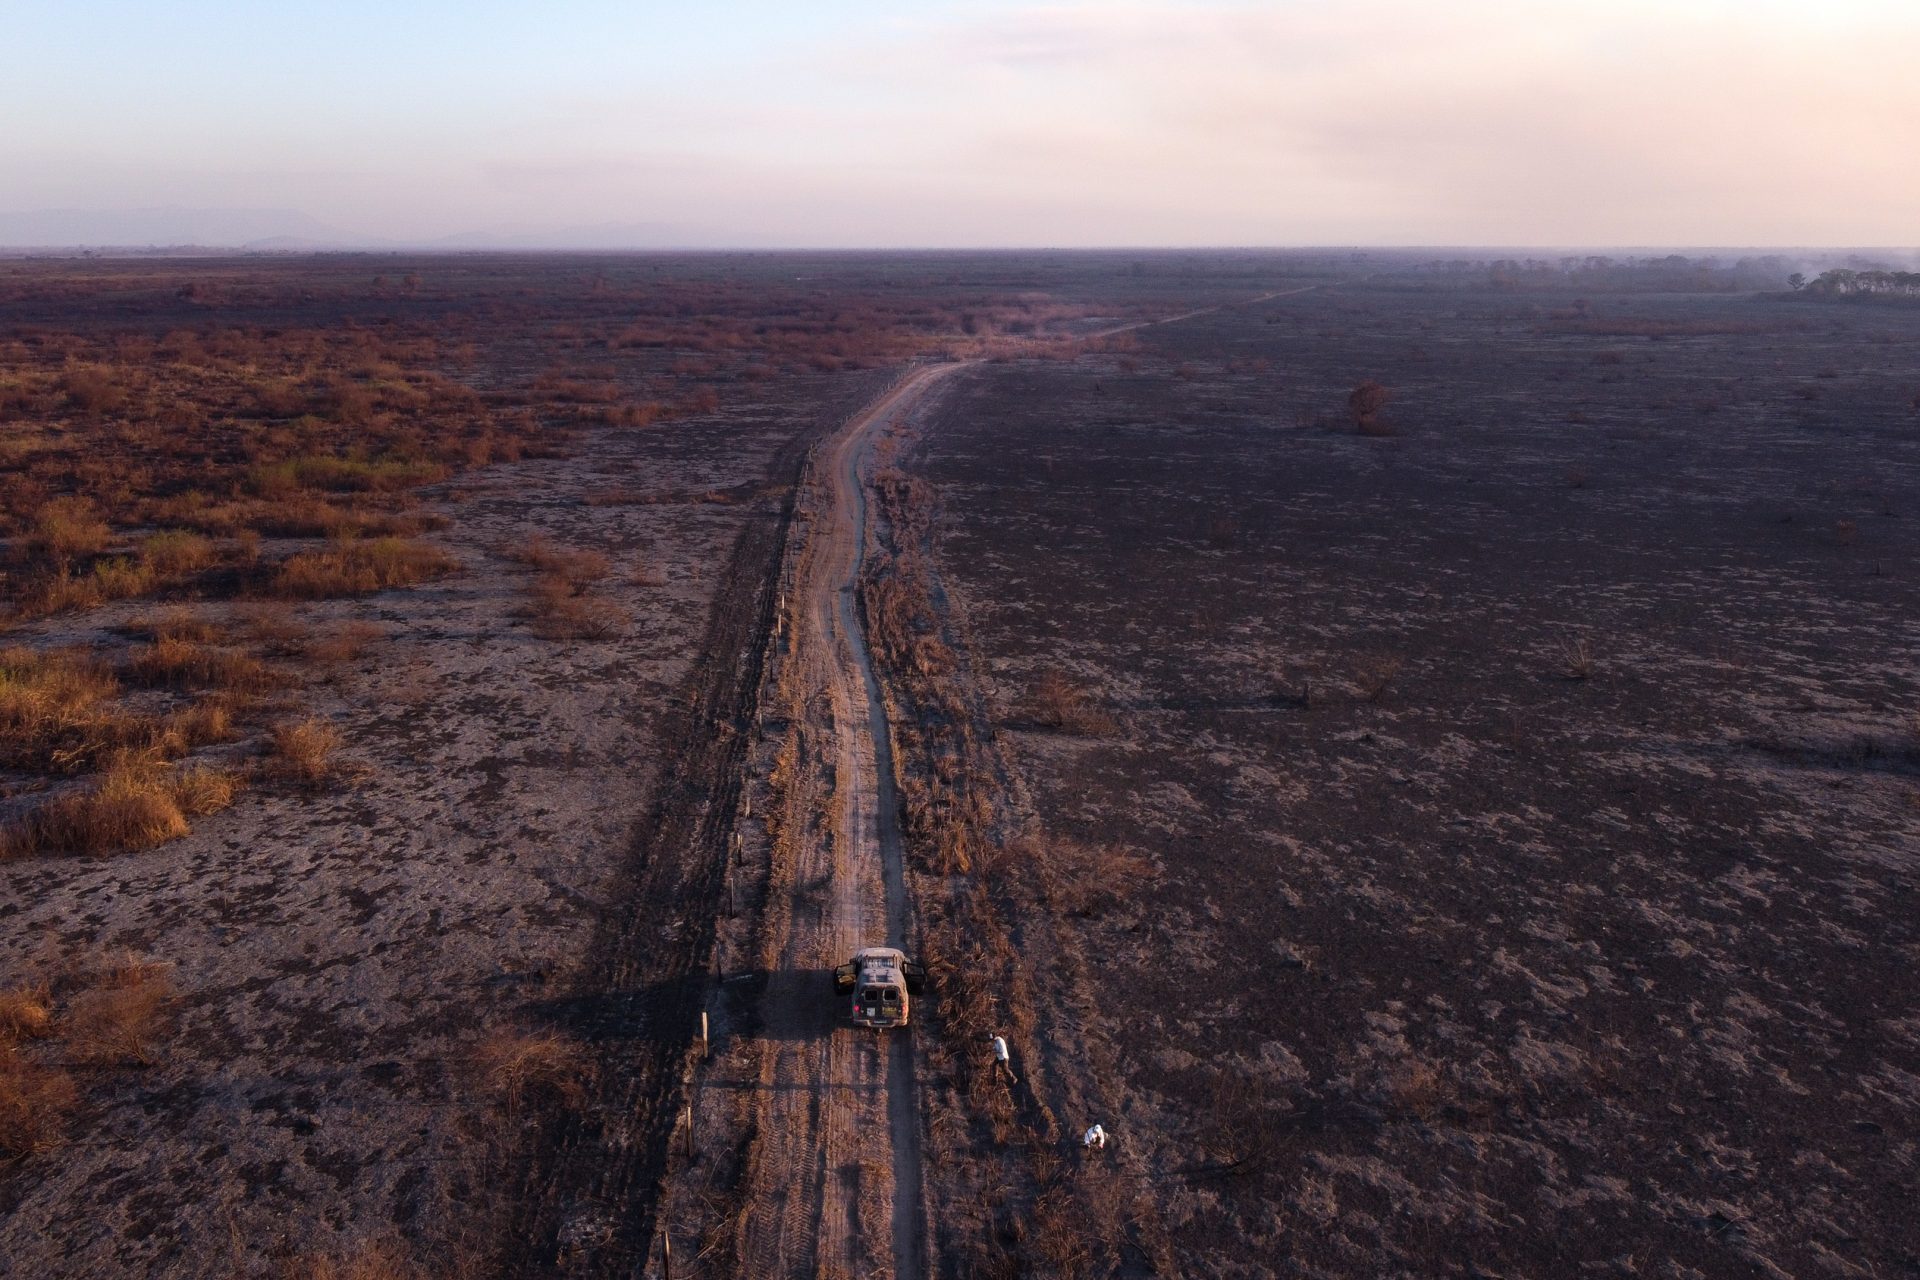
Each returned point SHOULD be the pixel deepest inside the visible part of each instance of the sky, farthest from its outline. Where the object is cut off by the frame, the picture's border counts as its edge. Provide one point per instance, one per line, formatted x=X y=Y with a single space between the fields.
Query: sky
x=848 y=123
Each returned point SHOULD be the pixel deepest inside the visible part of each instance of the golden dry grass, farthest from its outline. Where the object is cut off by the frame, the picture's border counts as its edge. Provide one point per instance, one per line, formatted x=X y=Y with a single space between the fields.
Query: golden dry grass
x=1056 y=701
x=200 y=790
x=178 y=662
x=65 y=528
x=175 y=553
x=110 y=579
x=59 y=713
x=274 y=629
x=179 y=624
x=26 y=1012
x=350 y=567
x=134 y=805
x=303 y=751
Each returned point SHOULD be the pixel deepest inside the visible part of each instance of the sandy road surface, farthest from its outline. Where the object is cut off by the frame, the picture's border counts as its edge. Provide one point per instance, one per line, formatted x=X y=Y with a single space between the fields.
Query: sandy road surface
x=836 y=1181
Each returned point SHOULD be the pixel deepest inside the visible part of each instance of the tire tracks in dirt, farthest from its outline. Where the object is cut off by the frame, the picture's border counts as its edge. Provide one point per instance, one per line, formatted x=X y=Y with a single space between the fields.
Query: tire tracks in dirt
x=834 y=1184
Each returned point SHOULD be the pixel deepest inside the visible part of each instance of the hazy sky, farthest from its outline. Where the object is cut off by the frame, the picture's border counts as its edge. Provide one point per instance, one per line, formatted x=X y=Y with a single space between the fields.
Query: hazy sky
x=849 y=122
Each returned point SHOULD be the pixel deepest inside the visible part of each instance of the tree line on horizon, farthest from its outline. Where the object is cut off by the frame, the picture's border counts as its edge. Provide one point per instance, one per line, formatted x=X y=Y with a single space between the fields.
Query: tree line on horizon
x=1845 y=283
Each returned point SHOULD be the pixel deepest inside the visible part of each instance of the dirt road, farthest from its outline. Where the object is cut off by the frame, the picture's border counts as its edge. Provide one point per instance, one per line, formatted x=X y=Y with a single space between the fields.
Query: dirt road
x=835 y=1181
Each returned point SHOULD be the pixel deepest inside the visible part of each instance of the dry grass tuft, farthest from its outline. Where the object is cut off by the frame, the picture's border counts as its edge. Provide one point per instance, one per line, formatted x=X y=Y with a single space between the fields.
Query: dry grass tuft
x=1412 y=1087
x=136 y=804
x=179 y=624
x=1056 y=701
x=65 y=528
x=131 y=807
x=117 y=1020
x=376 y=1261
x=200 y=790
x=1373 y=677
x=275 y=630
x=177 y=662
x=1081 y=879
x=519 y=1068
x=35 y=1100
x=351 y=567
x=303 y=752
x=1576 y=658
x=346 y=643
x=559 y=612
x=176 y=553
x=26 y=1012
x=206 y=721
x=576 y=567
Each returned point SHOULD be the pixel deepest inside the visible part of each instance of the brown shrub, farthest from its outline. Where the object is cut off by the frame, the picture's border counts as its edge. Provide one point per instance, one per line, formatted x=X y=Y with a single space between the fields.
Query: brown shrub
x=519 y=1067
x=35 y=1100
x=116 y=1021
x=351 y=567
x=303 y=752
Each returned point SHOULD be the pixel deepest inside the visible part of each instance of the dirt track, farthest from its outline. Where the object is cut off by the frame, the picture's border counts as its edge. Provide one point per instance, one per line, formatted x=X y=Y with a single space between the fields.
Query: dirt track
x=835 y=1182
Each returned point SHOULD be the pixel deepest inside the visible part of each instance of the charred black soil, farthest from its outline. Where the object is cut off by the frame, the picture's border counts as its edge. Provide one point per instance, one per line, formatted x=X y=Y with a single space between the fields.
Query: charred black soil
x=1519 y=789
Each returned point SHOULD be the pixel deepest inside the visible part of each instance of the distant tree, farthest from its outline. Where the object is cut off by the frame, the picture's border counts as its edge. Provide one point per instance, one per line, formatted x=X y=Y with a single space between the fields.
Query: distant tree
x=1365 y=402
x=1796 y=281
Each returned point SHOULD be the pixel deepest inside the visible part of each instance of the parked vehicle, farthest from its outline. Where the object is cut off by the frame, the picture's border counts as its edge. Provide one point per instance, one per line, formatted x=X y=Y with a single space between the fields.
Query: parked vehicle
x=882 y=983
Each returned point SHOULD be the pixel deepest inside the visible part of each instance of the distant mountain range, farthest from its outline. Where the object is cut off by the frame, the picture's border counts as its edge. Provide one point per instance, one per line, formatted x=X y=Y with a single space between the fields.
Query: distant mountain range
x=290 y=231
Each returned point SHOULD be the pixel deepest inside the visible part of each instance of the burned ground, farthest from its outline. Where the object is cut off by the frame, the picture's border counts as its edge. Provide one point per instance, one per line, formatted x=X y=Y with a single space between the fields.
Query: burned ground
x=1529 y=780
